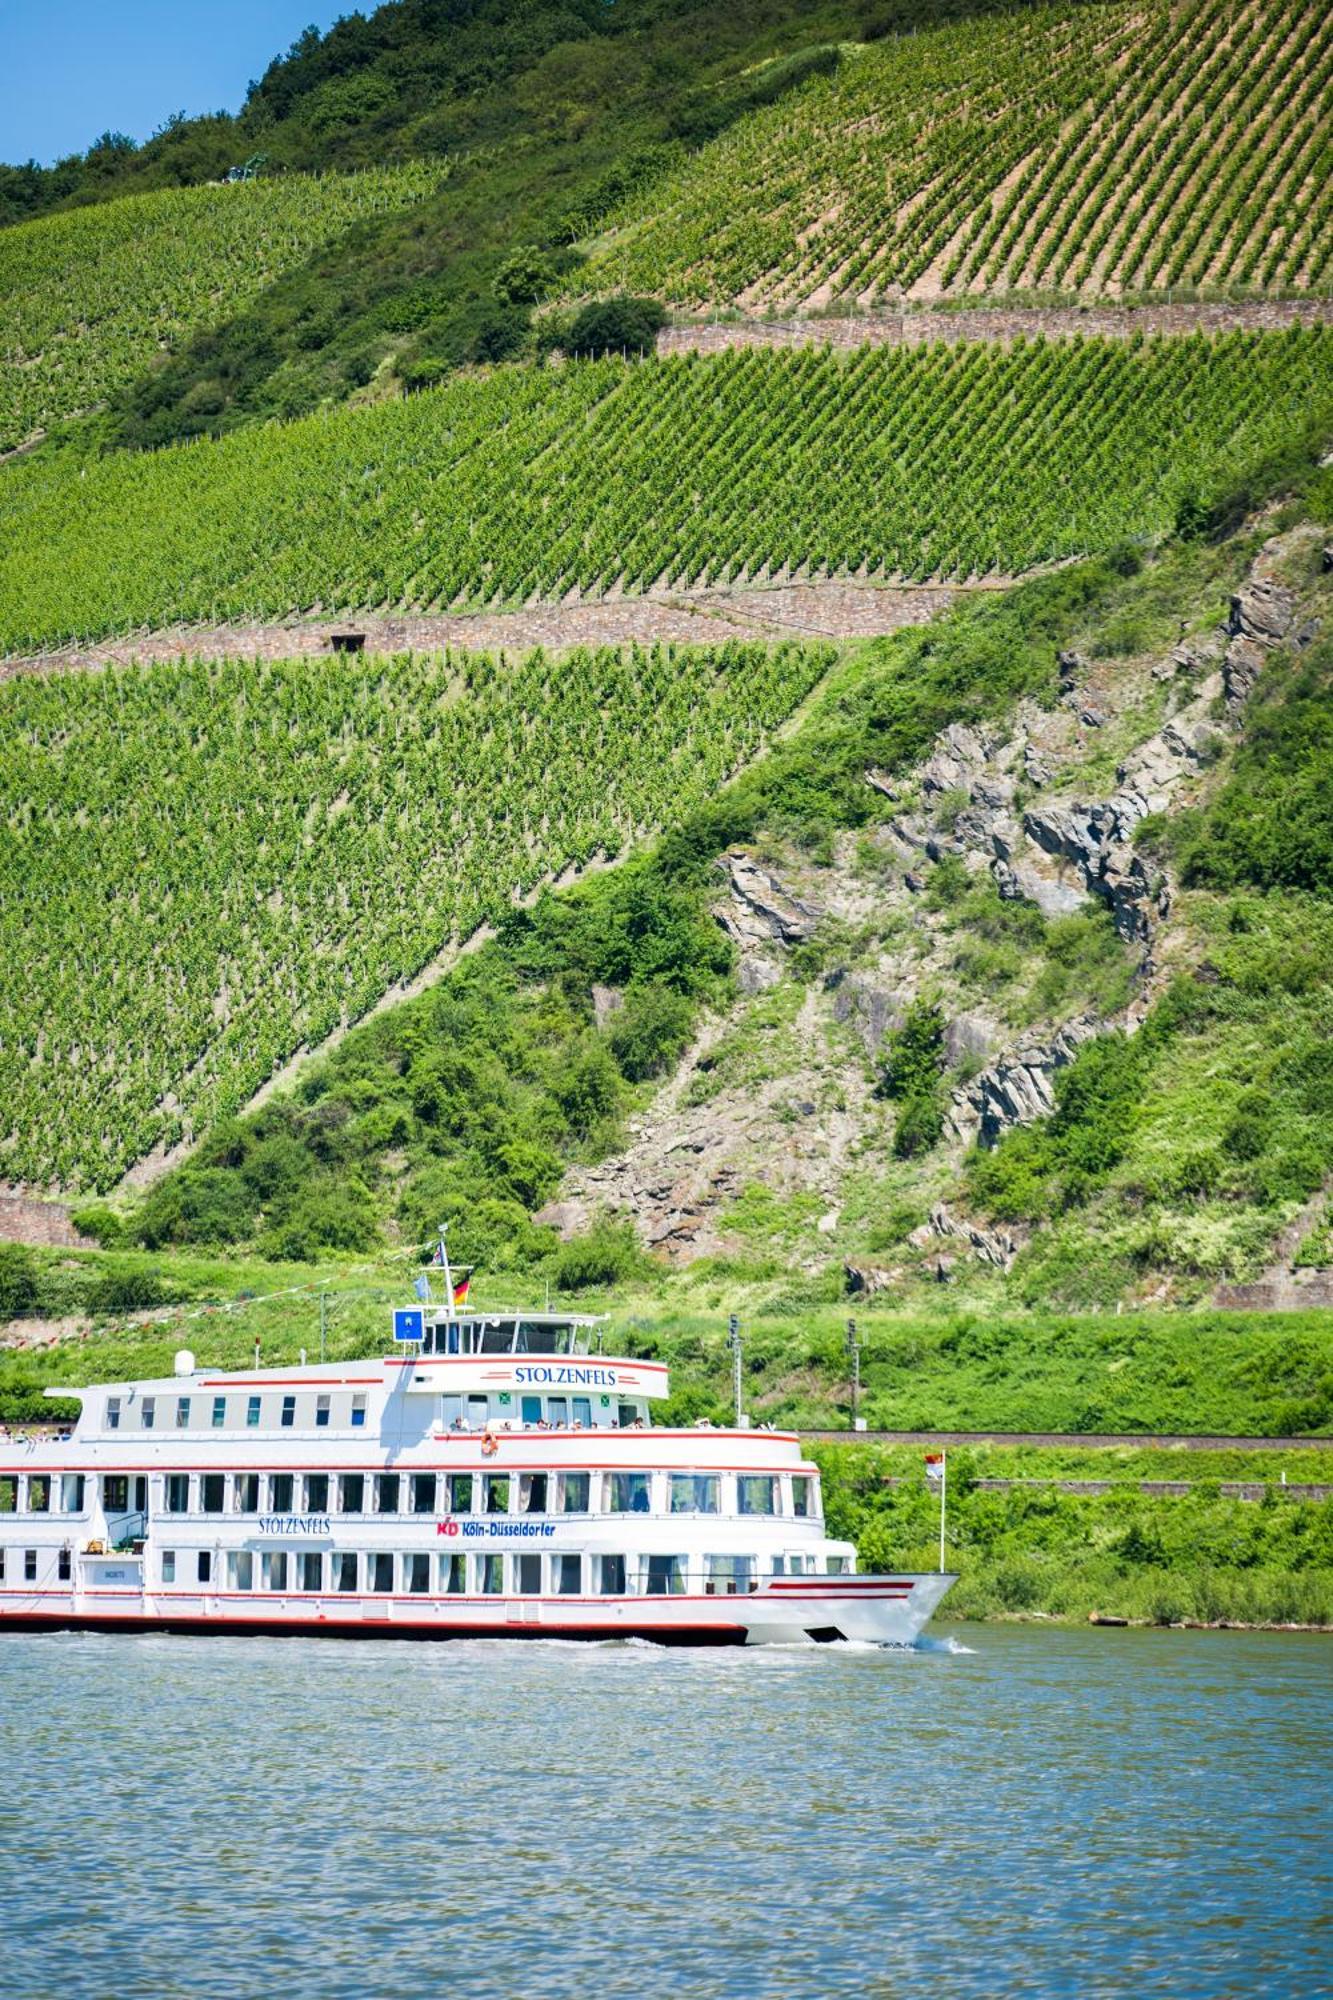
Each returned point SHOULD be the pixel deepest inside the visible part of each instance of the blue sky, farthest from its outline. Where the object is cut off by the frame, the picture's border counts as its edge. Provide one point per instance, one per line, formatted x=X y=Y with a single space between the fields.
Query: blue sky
x=71 y=69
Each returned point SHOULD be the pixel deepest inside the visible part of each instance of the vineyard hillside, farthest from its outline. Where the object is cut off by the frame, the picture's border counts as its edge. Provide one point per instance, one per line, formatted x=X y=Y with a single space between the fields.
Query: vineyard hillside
x=1005 y=968
x=210 y=863
x=1099 y=150
x=91 y=297
x=940 y=461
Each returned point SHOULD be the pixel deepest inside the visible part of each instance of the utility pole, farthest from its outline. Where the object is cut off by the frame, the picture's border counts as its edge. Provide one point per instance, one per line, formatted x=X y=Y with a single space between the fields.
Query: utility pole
x=854 y=1356
x=734 y=1343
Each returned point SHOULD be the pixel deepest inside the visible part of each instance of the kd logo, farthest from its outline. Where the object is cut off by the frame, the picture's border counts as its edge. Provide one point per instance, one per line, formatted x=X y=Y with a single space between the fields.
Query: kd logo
x=446 y=1527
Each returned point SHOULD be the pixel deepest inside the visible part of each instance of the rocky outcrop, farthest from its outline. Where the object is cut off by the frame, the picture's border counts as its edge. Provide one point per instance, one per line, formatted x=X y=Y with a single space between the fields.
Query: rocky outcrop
x=761 y=911
x=1261 y=616
x=1019 y=1088
x=993 y=1246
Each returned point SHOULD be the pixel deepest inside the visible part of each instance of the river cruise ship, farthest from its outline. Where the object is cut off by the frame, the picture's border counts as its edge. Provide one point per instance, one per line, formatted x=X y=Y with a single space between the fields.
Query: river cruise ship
x=499 y=1476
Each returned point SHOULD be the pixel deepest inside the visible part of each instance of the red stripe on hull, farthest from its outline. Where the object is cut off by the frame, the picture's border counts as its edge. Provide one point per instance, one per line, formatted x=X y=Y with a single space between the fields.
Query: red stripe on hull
x=286 y=1628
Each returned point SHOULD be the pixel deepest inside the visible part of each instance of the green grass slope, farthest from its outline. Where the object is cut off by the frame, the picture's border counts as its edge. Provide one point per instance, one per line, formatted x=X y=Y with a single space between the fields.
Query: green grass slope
x=207 y=864
x=90 y=297
x=939 y=461
x=1095 y=150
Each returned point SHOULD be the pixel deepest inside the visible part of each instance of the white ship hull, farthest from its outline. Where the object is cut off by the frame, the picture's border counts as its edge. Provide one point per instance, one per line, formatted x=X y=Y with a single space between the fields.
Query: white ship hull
x=875 y=1610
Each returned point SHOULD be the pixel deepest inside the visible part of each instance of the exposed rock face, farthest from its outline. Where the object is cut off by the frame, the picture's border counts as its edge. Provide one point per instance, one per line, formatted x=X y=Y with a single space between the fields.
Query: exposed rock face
x=1019 y=1088
x=994 y=1246
x=761 y=910
x=1261 y=617
x=871 y=1011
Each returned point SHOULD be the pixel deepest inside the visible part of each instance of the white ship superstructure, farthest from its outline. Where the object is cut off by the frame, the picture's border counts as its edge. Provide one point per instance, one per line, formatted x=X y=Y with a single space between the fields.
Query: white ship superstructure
x=501 y=1479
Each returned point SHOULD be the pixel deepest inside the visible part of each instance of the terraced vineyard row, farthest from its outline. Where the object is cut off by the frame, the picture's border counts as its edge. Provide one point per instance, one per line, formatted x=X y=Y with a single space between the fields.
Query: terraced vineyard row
x=88 y=296
x=938 y=461
x=206 y=864
x=1096 y=149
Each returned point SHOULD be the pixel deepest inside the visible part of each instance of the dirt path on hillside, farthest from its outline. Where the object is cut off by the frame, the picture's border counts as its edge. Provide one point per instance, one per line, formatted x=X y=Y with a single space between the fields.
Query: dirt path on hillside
x=998 y=323
x=833 y=609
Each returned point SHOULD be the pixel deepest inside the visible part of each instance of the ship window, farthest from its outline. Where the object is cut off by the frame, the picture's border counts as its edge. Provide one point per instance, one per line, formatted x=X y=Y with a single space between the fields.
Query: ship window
x=478 y=1412
x=115 y=1493
x=416 y=1574
x=754 y=1494
x=423 y=1492
x=2 y=1564
x=113 y=1413
x=381 y=1570
x=800 y=1498
x=168 y=1565
x=219 y=1412
x=568 y=1575
x=252 y=1413
x=575 y=1492
x=627 y=1493
x=141 y=1492
x=557 y=1410
x=495 y=1493
x=203 y=1568
x=71 y=1493
x=30 y=1565
x=611 y=1575
x=247 y=1493
x=497 y=1339
x=532 y=1493
x=358 y=1413
x=530 y=1409
x=317 y=1493
x=344 y=1570
x=386 y=1492
x=312 y=1569
x=666 y=1576
x=240 y=1570
x=626 y=1416
x=275 y=1569
x=582 y=1407
x=451 y=1413
x=39 y=1493
x=9 y=1493
x=178 y=1493
x=837 y=1566
x=352 y=1492
x=728 y=1575
x=148 y=1412
x=453 y=1574
x=182 y=1413
x=694 y=1493
x=490 y=1575
x=282 y=1489
x=529 y=1580
x=323 y=1406
x=288 y=1412
x=459 y=1485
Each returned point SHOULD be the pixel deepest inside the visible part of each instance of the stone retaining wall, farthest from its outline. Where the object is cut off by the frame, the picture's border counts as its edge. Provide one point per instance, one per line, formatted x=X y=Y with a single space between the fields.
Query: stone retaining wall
x=915 y=329
x=44 y=1225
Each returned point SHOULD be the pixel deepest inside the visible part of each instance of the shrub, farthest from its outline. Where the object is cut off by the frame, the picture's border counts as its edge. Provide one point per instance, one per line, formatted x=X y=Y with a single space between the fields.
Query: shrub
x=18 y=1281
x=646 y=1036
x=106 y=1228
x=615 y=326
x=912 y=1075
x=606 y=1254
x=122 y=1292
x=200 y=1205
